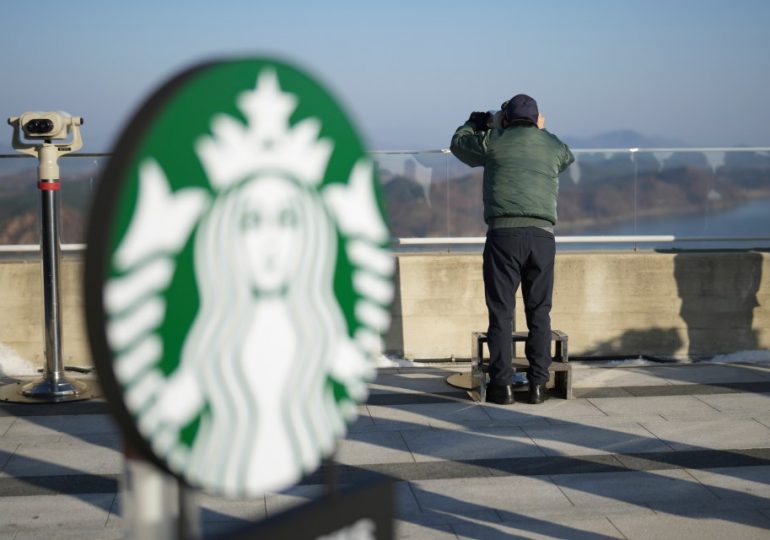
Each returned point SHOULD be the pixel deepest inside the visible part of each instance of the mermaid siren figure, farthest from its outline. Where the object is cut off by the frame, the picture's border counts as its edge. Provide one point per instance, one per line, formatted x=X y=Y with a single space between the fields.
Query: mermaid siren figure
x=270 y=369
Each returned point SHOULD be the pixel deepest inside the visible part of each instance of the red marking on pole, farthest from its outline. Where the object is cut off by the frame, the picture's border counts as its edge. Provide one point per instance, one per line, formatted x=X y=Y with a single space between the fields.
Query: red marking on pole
x=49 y=186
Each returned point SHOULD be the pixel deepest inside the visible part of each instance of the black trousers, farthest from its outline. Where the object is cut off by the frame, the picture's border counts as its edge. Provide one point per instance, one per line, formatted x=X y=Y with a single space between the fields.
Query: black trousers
x=512 y=256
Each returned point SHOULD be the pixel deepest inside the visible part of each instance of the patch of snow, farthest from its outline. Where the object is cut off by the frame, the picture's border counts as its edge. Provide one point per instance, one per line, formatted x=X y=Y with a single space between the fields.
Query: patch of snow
x=624 y=362
x=389 y=360
x=13 y=365
x=748 y=357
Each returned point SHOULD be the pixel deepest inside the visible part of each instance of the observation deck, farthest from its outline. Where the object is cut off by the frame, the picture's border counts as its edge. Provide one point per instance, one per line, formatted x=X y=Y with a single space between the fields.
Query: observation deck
x=662 y=257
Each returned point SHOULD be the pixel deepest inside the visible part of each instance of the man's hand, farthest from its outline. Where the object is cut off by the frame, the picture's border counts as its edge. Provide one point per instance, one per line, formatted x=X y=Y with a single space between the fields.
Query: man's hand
x=479 y=120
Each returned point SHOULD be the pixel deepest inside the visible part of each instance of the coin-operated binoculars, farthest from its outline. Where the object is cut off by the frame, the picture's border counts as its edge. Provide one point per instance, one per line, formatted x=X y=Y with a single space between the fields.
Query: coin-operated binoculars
x=40 y=129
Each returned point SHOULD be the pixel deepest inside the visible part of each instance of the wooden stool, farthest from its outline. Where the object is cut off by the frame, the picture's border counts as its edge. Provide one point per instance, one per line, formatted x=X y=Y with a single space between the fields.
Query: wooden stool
x=562 y=371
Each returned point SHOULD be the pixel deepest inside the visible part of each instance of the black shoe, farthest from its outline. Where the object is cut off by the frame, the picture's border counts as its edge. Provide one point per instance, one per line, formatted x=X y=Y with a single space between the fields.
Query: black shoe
x=502 y=394
x=538 y=393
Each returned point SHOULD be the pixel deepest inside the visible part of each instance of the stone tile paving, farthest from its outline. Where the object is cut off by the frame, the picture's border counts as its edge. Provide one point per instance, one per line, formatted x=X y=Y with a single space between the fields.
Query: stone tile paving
x=110 y=442
x=58 y=459
x=445 y=415
x=573 y=440
x=721 y=433
x=604 y=421
x=642 y=488
x=553 y=408
x=482 y=443
x=5 y=423
x=509 y=494
x=277 y=502
x=375 y=447
x=55 y=511
x=739 y=524
x=577 y=512
x=738 y=403
x=599 y=467
x=7 y=450
x=71 y=533
x=736 y=482
x=418 y=382
x=82 y=424
x=674 y=406
x=216 y=509
x=575 y=529
x=432 y=517
x=408 y=531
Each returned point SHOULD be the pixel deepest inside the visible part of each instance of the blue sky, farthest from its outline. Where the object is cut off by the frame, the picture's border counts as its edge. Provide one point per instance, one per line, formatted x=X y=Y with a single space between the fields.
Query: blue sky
x=411 y=71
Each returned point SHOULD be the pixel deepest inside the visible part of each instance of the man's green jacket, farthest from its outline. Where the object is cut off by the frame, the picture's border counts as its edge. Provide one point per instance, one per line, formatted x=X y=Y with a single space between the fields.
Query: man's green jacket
x=521 y=169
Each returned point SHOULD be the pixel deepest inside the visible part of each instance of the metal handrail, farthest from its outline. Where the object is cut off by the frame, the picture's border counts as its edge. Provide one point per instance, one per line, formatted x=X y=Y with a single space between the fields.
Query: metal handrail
x=619 y=150
x=479 y=240
x=674 y=150
x=32 y=248
x=638 y=239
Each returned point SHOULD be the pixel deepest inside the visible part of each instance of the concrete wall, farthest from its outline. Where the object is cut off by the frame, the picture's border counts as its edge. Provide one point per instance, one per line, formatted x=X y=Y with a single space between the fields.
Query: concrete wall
x=610 y=303
x=21 y=311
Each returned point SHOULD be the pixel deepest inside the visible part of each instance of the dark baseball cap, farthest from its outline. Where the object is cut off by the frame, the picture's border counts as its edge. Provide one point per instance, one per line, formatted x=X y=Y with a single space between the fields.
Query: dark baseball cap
x=521 y=108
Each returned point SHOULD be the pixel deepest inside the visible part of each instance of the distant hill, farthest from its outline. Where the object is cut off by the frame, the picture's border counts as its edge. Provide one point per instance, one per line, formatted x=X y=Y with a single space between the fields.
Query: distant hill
x=623 y=138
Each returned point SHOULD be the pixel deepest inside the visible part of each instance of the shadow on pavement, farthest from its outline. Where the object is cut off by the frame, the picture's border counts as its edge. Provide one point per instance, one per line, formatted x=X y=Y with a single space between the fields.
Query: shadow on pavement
x=515 y=442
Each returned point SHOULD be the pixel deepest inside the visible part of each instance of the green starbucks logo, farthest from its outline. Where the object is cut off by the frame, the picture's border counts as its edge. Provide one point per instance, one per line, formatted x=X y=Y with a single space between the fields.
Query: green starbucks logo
x=239 y=241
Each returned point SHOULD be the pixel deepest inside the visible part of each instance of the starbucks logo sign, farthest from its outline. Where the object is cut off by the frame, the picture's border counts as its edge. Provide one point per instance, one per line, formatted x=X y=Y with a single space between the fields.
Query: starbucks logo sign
x=237 y=276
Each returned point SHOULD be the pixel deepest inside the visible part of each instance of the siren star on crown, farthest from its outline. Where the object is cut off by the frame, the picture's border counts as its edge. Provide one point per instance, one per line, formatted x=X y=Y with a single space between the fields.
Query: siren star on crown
x=267 y=143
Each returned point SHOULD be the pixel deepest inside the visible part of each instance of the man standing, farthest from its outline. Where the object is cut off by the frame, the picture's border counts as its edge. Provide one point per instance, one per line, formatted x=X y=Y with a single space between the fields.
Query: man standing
x=522 y=162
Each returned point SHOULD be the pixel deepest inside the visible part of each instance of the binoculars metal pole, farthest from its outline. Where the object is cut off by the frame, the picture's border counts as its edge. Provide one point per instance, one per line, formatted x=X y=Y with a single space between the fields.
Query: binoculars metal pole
x=54 y=386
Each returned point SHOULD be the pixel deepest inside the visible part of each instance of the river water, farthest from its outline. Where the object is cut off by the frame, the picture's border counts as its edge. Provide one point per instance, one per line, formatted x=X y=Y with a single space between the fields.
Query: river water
x=751 y=219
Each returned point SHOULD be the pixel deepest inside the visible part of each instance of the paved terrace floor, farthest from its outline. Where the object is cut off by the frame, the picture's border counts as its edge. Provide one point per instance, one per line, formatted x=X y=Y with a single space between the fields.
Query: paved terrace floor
x=662 y=451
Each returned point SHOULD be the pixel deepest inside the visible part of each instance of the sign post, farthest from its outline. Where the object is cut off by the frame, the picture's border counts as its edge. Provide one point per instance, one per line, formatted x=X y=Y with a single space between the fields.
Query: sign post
x=156 y=505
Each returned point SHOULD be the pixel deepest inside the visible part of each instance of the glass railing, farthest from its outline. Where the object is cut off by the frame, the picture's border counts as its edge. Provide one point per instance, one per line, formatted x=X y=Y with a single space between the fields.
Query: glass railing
x=20 y=200
x=703 y=198
x=709 y=197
